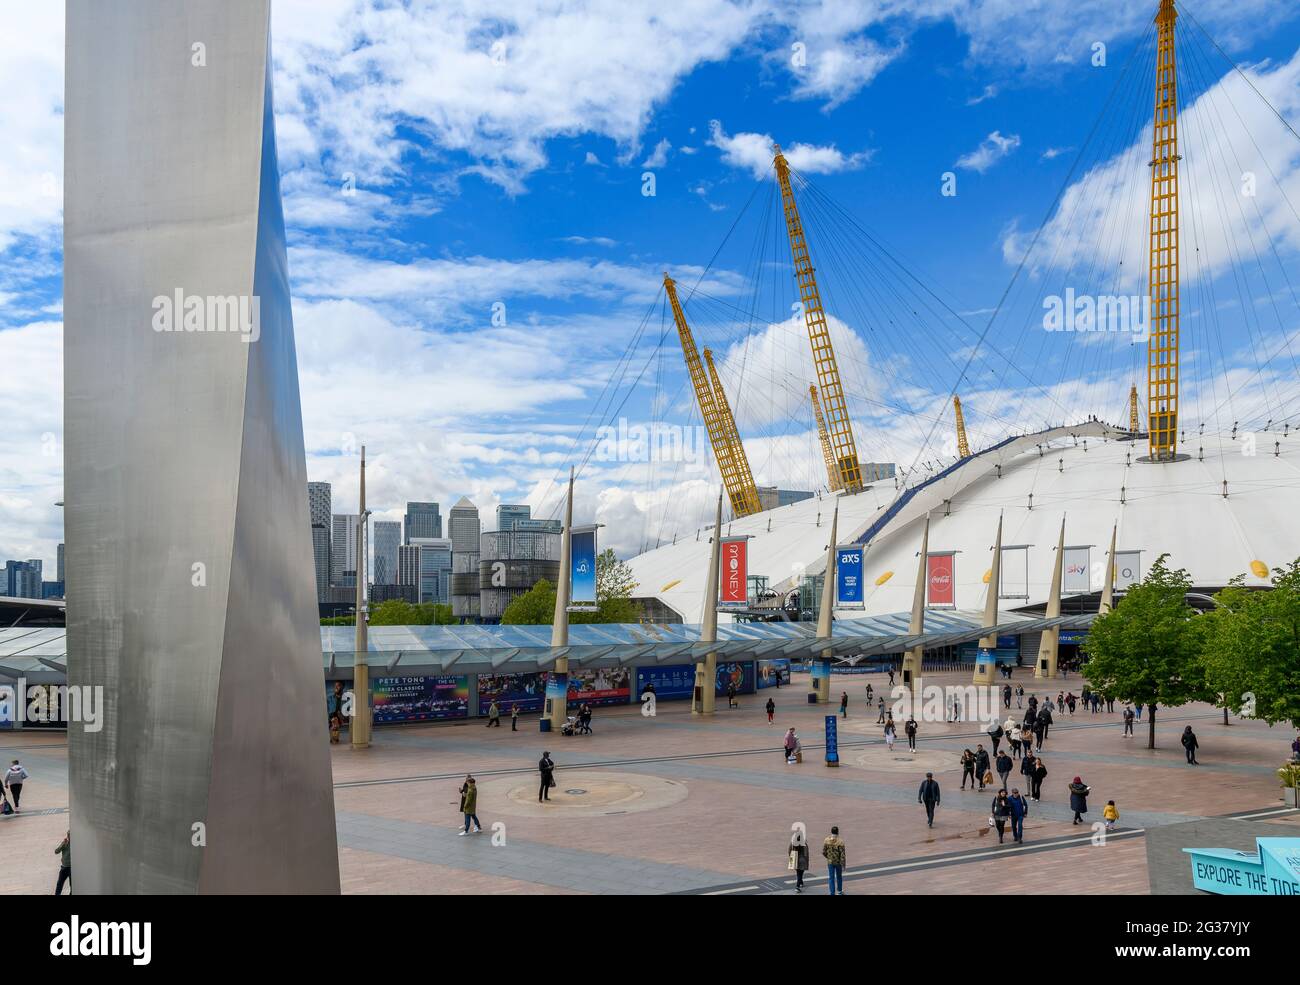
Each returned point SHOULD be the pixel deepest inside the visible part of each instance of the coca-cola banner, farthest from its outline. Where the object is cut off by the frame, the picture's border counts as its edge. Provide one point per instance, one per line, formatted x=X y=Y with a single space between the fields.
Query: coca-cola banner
x=733 y=580
x=940 y=577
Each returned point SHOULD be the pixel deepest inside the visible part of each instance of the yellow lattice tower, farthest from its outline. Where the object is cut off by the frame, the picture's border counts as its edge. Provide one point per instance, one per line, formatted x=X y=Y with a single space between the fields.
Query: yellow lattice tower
x=832 y=473
x=1134 y=424
x=1162 y=345
x=963 y=447
x=746 y=490
x=838 y=428
x=713 y=424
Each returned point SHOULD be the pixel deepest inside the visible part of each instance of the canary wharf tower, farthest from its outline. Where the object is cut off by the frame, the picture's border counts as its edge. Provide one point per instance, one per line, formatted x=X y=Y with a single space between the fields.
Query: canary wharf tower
x=193 y=601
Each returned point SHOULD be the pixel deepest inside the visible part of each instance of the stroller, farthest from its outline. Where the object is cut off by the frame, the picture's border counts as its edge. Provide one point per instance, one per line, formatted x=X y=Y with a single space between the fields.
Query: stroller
x=570 y=727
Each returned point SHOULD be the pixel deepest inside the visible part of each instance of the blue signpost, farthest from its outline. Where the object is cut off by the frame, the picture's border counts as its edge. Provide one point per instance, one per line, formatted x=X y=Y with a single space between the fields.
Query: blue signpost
x=832 y=741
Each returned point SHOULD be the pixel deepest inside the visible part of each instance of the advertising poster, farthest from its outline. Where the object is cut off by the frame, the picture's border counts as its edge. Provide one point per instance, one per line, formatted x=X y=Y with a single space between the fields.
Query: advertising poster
x=773 y=673
x=557 y=686
x=526 y=691
x=419 y=699
x=605 y=686
x=1075 y=572
x=1015 y=573
x=672 y=683
x=1128 y=569
x=848 y=576
x=582 y=591
x=940 y=581
x=740 y=673
x=733 y=580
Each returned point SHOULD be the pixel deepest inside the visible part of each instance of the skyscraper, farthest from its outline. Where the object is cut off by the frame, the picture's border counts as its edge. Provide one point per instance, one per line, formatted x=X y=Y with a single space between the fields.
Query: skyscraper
x=343 y=551
x=318 y=505
x=422 y=521
x=22 y=579
x=408 y=566
x=58 y=565
x=434 y=569
x=388 y=538
x=464 y=527
x=507 y=514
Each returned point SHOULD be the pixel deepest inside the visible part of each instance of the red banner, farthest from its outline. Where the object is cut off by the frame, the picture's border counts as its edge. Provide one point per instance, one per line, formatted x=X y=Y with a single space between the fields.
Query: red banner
x=733 y=581
x=940 y=578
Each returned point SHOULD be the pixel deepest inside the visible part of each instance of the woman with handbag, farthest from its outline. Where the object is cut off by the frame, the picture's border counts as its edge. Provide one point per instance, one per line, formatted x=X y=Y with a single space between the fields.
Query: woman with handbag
x=798 y=857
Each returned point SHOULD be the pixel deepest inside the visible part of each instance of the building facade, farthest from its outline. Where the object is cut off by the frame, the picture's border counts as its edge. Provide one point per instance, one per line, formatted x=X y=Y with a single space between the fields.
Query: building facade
x=508 y=513
x=434 y=569
x=510 y=563
x=388 y=538
x=464 y=527
x=319 y=496
x=343 y=551
x=423 y=521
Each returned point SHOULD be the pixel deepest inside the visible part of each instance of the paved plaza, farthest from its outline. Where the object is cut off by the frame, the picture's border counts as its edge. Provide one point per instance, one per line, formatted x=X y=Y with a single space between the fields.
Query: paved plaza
x=676 y=804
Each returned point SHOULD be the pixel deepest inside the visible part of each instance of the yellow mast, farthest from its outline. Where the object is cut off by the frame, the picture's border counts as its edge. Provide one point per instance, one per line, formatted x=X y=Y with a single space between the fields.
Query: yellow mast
x=832 y=473
x=741 y=503
x=1134 y=425
x=963 y=447
x=839 y=429
x=1162 y=344
x=747 y=491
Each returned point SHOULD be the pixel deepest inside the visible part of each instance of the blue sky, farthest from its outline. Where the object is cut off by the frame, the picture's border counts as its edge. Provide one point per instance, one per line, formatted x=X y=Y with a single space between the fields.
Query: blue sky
x=436 y=165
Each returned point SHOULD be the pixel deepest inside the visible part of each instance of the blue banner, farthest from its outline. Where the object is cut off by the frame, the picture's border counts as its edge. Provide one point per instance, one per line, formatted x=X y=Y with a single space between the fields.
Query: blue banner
x=848 y=575
x=582 y=587
x=832 y=740
x=557 y=686
x=773 y=673
x=820 y=669
x=671 y=683
x=738 y=673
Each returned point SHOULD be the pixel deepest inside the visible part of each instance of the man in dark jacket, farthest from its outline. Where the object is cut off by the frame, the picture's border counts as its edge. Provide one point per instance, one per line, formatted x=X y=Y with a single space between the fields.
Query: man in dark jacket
x=1190 y=744
x=1004 y=764
x=995 y=734
x=1019 y=808
x=929 y=796
x=981 y=764
x=1027 y=766
x=1079 y=799
x=1001 y=811
x=547 y=769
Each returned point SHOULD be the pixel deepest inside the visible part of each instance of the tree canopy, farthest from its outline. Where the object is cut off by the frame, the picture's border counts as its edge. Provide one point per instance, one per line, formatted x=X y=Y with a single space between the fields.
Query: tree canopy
x=614 y=586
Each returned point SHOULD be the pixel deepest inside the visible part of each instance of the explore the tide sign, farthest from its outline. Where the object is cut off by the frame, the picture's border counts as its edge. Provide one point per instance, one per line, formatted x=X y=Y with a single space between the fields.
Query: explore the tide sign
x=1272 y=870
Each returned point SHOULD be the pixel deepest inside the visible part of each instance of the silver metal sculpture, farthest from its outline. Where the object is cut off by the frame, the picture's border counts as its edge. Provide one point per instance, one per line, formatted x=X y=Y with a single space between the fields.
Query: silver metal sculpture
x=192 y=598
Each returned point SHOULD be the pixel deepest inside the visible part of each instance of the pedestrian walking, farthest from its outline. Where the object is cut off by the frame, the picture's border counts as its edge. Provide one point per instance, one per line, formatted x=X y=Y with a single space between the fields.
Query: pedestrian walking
x=64 y=851
x=844 y=704
x=1137 y=711
x=1004 y=764
x=881 y=706
x=584 y=715
x=469 y=805
x=869 y=694
x=836 y=854
x=1079 y=799
x=1042 y=725
x=1006 y=695
x=1013 y=737
x=1000 y=813
x=798 y=853
x=546 y=768
x=929 y=796
x=494 y=714
x=1019 y=808
x=14 y=778
x=1040 y=774
x=514 y=717
x=1128 y=721
x=1110 y=814
x=909 y=727
x=953 y=705
x=1189 y=745
x=891 y=733
x=891 y=676
x=731 y=695
x=967 y=768
x=1295 y=749
x=982 y=766
x=1020 y=695
x=995 y=732
x=771 y=710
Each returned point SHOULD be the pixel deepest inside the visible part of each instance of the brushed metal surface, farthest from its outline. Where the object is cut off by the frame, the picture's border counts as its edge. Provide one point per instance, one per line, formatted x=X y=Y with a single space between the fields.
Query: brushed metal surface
x=192 y=595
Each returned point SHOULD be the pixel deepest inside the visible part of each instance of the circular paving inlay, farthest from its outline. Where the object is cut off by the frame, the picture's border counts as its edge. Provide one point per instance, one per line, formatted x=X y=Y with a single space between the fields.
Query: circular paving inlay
x=901 y=761
x=581 y=793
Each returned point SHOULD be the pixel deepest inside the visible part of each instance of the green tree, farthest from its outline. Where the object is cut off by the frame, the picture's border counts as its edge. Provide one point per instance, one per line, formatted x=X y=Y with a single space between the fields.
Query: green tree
x=1252 y=647
x=614 y=586
x=1148 y=649
x=536 y=607
x=398 y=612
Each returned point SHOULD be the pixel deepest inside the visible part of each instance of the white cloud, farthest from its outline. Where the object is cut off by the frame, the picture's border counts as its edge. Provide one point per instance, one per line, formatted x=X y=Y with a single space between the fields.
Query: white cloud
x=992 y=149
x=659 y=156
x=754 y=152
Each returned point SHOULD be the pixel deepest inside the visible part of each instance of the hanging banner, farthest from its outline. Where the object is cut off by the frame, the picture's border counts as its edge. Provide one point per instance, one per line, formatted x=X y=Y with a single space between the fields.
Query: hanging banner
x=1015 y=573
x=582 y=583
x=1128 y=569
x=1075 y=571
x=940 y=581
x=848 y=576
x=733 y=579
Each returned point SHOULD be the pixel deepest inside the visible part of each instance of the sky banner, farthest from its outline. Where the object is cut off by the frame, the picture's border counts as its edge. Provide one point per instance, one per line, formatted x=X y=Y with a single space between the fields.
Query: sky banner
x=1076 y=580
x=733 y=580
x=939 y=578
x=848 y=576
x=582 y=593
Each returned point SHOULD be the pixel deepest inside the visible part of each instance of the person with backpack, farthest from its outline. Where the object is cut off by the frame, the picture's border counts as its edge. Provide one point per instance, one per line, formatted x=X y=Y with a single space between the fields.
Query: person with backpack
x=13 y=781
x=1000 y=811
x=929 y=795
x=1079 y=799
x=469 y=804
x=1190 y=745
